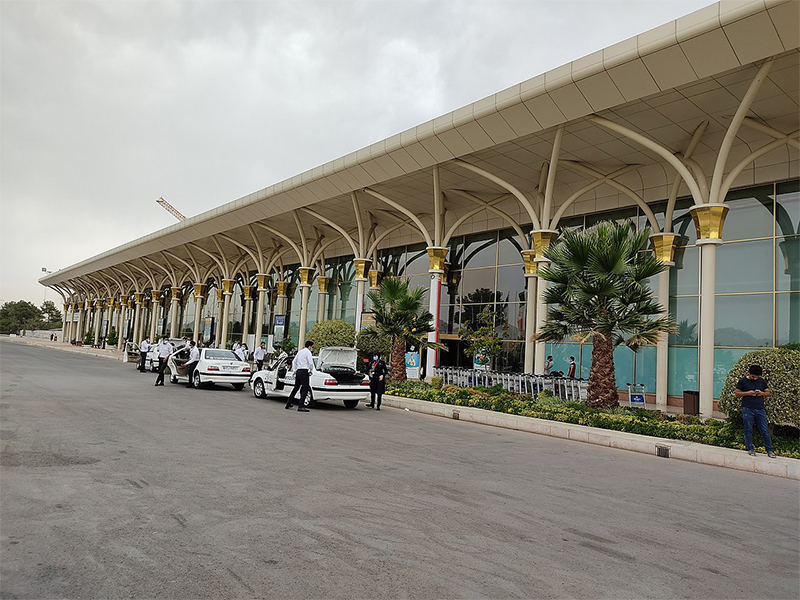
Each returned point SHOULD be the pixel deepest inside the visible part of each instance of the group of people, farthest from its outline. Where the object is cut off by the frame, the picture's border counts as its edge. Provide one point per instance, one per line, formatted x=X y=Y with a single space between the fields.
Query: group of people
x=164 y=350
x=571 y=368
x=303 y=367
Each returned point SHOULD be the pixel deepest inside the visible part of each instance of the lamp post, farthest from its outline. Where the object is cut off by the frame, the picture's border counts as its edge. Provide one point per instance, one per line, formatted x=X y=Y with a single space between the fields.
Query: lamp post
x=46 y=272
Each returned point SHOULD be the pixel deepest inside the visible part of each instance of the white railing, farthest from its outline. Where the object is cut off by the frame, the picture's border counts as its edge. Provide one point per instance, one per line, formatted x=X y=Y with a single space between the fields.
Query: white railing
x=565 y=388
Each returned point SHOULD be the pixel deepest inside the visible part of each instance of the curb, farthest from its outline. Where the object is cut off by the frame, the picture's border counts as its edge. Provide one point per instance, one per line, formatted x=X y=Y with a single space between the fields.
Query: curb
x=66 y=349
x=788 y=468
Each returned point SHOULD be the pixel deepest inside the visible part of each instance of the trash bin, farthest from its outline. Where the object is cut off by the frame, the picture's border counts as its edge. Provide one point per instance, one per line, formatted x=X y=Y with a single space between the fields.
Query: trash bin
x=691 y=402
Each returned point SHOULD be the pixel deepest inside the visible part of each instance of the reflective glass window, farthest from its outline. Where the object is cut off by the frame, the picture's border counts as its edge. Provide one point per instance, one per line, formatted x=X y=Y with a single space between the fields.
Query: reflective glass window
x=623 y=215
x=477 y=285
x=724 y=359
x=470 y=313
x=511 y=284
x=684 y=276
x=750 y=215
x=455 y=252
x=449 y=318
x=571 y=223
x=787 y=318
x=787 y=208
x=509 y=248
x=684 y=311
x=451 y=288
x=682 y=223
x=562 y=352
x=512 y=358
x=743 y=320
x=423 y=281
x=417 y=260
x=787 y=264
x=659 y=210
x=480 y=250
x=741 y=267
x=623 y=367
x=510 y=321
x=646 y=368
x=682 y=370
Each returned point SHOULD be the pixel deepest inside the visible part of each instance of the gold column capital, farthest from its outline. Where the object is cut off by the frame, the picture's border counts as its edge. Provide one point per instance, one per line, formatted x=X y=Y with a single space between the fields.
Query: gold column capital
x=436 y=258
x=66 y=307
x=542 y=240
x=109 y=302
x=156 y=296
x=283 y=287
x=306 y=273
x=708 y=221
x=199 y=291
x=123 y=299
x=227 y=286
x=248 y=290
x=262 y=280
x=663 y=245
x=322 y=283
x=374 y=279
x=176 y=293
x=529 y=258
x=361 y=267
x=219 y=295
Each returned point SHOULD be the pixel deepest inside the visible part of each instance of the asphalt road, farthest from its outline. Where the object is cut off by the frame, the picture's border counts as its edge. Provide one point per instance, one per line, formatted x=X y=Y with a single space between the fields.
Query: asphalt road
x=113 y=488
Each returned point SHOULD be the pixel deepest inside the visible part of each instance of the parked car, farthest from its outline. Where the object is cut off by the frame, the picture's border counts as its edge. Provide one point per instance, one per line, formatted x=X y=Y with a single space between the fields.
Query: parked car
x=132 y=353
x=151 y=362
x=216 y=365
x=335 y=377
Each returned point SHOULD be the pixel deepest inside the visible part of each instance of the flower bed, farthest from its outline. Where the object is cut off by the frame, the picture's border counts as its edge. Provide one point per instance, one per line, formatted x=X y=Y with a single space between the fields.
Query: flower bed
x=725 y=434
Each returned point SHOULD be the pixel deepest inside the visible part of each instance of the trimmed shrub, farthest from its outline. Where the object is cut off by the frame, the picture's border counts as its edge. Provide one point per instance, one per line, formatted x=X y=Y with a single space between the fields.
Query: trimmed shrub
x=782 y=372
x=332 y=333
x=725 y=434
x=369 y=341
x=436 y=383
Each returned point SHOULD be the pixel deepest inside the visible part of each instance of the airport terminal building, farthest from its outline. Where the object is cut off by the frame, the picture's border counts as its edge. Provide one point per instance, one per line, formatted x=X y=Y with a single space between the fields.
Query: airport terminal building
x=690 y=130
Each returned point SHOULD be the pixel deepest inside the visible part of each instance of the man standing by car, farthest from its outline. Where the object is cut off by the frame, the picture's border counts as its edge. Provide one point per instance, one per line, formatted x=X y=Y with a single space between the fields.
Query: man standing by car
x=303 y=366
x=377 y=381
x=164 y=350
x=144 y=348
x=752 y=389
x=258 y=356
x=191 y=364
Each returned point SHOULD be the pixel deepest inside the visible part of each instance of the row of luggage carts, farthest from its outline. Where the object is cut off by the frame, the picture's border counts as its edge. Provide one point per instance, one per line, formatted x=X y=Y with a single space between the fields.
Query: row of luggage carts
x=566 y=388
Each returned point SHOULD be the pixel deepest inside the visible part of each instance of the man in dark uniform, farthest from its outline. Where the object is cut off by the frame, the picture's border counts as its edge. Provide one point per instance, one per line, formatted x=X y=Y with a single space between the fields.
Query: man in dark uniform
x=752 y=389
x=377 y=381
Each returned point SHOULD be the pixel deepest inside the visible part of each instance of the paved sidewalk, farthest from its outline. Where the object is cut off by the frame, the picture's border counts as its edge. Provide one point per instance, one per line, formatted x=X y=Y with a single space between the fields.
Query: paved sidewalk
x=112 y=353
x=678 y=449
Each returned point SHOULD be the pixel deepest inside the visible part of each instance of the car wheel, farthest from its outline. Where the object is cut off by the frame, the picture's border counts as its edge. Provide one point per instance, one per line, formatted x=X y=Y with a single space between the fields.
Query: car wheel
x=258 y=389
x=350 y=403
x=238 y=386
x=196 y=381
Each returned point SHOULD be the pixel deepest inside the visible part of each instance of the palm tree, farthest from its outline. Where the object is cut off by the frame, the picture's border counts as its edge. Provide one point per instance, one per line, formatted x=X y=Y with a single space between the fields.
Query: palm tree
x=598 y=289
x=400 y=316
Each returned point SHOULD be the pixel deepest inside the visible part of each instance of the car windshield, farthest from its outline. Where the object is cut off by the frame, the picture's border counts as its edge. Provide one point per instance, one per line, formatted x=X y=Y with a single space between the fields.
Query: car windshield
x=220 y=355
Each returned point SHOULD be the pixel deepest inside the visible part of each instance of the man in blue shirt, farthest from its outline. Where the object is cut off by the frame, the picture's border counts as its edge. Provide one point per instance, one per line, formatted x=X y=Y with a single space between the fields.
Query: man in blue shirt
x=752 y=389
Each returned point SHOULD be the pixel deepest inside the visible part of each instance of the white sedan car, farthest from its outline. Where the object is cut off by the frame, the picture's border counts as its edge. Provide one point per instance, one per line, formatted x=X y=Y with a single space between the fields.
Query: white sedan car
x=216 y=365
x=151 y=362
x=334 y=378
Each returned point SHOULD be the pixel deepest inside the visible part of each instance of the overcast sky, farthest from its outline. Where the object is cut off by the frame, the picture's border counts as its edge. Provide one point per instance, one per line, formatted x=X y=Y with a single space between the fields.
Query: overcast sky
x=107 y=105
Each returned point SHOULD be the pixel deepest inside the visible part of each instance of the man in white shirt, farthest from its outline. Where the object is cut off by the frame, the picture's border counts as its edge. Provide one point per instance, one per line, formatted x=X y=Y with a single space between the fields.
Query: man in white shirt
x=259 y=354
x=164 y=350
x=548 y=365
x=144 y=348
x=242 y=352
x=191 y=364
x=303 y=366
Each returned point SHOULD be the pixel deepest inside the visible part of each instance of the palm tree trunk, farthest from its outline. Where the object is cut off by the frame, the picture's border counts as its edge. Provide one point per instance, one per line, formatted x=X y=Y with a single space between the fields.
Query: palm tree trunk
x=602 y=391
x=397 y=363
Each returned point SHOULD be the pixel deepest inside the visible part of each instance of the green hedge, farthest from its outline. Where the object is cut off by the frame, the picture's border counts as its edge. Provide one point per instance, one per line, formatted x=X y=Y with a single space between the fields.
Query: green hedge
x=725 y=434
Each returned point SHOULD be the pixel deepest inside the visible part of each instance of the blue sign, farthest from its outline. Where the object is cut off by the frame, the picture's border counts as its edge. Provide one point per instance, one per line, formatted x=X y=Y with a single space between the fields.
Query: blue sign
x=637 y=399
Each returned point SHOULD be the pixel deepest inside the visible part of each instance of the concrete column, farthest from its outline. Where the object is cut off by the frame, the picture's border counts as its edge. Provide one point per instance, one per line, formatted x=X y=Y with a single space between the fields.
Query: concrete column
x=248 y=310
x=123 y=315
x=361 y=284
x=155 y=307
x=322 y=284
x=79 y=330
x=197 y=297
x=708 y=220
x=98 y=316
x=220 y=312
x=664 y=250
x=227 y=292
x=175 y=312
x=542 y=240
x=436 y=258
x=261 y=279
x=280 y=305
x=305 y=287
x=529 y=258
x=344 y=294
x=64 y=322
x=137 y=319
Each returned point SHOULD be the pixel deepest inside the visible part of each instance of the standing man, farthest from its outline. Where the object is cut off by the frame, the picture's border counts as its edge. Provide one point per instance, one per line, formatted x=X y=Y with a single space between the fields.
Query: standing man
x=259 y=354
x=164 y=350
x=752 y=389
x=377 y=380
x=548 y=365
x=191 y=364
x=241 y=352
x=572 y=365
x=144 y=348
x=303 y=366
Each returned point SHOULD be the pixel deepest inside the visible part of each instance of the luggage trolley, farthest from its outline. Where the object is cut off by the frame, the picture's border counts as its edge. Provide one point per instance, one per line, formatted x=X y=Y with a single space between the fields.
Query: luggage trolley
x=636 y=394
